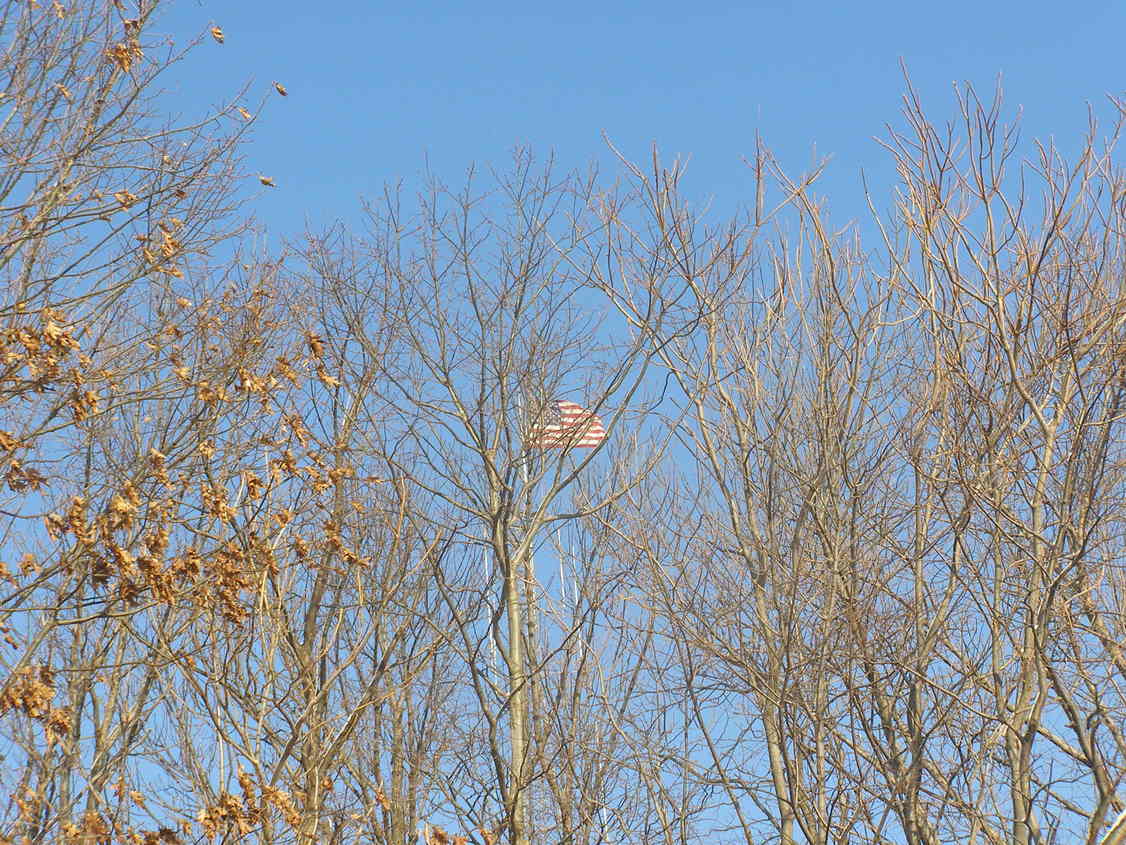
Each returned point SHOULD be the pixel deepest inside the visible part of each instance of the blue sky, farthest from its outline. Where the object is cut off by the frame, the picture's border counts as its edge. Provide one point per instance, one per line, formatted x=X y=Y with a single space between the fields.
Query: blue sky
x=379 y=91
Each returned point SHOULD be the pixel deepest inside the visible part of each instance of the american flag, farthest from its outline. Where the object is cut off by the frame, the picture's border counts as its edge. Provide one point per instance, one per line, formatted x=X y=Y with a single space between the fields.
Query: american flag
x=568 y=426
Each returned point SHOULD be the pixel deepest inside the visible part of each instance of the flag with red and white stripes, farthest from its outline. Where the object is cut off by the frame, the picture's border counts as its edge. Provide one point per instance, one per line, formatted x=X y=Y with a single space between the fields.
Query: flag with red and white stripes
x=567 y=425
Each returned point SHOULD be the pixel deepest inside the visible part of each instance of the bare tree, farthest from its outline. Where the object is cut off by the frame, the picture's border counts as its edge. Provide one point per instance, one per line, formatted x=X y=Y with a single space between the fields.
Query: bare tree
x=502 y=316
x=1019 y=302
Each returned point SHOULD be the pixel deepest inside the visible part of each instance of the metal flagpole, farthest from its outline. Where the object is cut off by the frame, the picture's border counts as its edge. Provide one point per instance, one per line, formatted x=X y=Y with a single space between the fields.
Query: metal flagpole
x=492 y=634
x=559 y=551
x=532 y=621
x=572 y=427
x=518 y=738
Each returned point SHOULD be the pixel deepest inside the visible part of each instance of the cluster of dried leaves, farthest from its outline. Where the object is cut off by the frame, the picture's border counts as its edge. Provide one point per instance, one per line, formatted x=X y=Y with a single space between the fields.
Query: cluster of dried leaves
x=240 y=815
x=31 y=691
x=155 y=448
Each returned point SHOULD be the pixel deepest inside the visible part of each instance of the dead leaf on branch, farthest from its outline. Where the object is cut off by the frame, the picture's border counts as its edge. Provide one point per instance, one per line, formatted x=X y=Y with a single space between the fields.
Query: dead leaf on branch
x=124 y=54
x=315 y=343
x=30 y=691
x=326 y=379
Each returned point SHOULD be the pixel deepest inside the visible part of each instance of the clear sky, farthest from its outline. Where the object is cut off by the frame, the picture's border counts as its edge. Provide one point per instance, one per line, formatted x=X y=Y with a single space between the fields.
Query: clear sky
x=378 y=90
